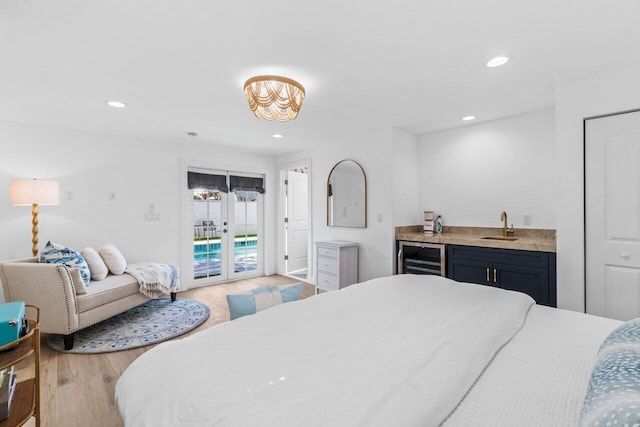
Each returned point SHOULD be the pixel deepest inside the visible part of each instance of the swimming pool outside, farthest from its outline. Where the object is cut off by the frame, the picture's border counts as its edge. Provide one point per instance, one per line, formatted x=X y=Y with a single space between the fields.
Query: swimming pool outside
x=208 y=258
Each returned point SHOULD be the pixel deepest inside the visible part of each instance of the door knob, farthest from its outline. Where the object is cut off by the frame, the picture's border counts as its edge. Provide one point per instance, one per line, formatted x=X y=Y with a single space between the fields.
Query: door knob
x=625 y=255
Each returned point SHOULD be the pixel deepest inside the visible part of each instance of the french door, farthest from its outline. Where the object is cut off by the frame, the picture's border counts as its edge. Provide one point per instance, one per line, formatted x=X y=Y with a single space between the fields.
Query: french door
x=225 y=211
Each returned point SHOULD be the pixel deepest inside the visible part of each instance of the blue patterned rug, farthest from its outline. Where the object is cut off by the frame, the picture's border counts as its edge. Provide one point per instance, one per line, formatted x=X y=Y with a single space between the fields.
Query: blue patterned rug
x=150 y=323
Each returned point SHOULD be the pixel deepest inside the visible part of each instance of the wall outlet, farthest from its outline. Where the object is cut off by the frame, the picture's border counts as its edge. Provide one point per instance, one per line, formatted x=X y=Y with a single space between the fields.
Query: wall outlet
x=527 y=219
x=69 y=195
x=112 y=197
x=379 y=217
x=152 y=217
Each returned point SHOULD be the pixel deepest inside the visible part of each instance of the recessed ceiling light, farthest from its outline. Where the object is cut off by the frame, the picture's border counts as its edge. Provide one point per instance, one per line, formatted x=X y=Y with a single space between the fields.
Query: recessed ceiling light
x=498 y=61
x=116 y=104
x=467 y=118
x=277 y=135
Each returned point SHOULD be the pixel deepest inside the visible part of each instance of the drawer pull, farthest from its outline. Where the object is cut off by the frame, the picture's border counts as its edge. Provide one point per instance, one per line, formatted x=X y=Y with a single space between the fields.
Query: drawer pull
x=625 y=255
x=495 y=275
x=487 y=274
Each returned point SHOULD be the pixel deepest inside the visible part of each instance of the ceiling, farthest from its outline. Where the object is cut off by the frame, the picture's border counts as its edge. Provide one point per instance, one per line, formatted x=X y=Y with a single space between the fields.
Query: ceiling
x=180 y=65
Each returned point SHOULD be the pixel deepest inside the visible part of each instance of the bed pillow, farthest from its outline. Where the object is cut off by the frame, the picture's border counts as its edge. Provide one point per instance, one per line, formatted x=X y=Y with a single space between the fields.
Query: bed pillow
x=250 y=302
x=290 y=292
x=55 y=253
x=97 y=267
x=613 y=395
x=113 y=258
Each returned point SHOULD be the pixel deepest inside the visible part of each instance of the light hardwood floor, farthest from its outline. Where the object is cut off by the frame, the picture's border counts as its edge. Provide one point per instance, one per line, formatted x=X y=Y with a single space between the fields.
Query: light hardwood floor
x=78 y=390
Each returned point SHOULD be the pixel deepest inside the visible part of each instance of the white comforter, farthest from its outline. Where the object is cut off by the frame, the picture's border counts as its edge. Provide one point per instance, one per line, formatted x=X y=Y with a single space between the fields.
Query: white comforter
x=401 y=350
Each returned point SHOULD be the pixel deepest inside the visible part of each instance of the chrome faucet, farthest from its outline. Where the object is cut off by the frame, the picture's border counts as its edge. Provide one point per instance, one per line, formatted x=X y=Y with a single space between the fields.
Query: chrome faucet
x=506 y=230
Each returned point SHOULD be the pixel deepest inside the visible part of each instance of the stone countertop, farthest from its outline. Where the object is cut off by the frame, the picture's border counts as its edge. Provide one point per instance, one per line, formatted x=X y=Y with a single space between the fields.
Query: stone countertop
x=528 y=239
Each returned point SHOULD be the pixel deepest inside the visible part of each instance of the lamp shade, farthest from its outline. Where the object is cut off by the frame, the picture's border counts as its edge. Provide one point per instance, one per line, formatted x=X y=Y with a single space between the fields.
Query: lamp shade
x=25 y=192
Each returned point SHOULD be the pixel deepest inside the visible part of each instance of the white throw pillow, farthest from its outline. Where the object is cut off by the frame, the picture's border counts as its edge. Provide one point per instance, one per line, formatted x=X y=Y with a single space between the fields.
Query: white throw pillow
x=78 y=283
x=97 y=267
x=113 y=258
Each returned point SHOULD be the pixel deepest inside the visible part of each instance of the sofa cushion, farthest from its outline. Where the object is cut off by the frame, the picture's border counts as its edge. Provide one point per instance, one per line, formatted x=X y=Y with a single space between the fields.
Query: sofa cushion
x=55 y=253
x=113 y=258
x=108 y=290
x=97 y=267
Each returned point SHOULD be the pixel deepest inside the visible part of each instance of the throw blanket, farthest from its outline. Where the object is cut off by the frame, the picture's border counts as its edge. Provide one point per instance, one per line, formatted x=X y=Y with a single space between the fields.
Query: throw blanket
x=155 y=279
x=394 y=351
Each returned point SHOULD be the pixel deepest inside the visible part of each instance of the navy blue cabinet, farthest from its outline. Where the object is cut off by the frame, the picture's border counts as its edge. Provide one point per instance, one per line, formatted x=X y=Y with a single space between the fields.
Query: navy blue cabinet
x=533 y=273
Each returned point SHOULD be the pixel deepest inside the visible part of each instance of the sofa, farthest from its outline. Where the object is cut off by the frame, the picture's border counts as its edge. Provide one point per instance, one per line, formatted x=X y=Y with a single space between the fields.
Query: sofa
x=63 y=310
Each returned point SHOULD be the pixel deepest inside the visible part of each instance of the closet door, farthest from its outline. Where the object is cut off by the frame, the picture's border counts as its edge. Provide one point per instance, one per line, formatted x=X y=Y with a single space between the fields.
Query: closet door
x=612 y=215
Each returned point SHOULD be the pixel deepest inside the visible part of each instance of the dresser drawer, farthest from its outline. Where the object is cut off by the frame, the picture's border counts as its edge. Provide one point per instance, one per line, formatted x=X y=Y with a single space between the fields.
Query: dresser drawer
x=330 y=252
x=327 y=282
x=328 y=265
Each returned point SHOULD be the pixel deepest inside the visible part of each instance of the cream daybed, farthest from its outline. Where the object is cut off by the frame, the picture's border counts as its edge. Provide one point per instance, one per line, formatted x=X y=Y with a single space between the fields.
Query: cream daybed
x=52 y=288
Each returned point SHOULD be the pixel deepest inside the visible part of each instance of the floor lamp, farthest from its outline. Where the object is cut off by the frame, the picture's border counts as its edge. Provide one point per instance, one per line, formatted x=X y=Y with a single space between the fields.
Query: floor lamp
x=34 y=192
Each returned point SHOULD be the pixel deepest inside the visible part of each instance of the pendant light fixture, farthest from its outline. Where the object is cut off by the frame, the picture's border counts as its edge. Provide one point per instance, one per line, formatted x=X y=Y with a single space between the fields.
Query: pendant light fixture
x=274 y=97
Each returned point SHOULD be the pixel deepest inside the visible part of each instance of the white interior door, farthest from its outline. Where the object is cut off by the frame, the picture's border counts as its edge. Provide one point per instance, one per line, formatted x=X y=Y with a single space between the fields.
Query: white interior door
x=297 y=225
x=612 y=215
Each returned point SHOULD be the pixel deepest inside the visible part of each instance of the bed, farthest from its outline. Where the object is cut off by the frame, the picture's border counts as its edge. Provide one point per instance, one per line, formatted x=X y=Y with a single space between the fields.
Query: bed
x=403 y=350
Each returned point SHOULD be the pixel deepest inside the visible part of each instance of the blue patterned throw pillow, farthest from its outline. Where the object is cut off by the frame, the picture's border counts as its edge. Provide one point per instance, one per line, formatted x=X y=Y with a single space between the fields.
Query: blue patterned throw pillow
x=250 y=302
x=55 y=253
x=613 y=395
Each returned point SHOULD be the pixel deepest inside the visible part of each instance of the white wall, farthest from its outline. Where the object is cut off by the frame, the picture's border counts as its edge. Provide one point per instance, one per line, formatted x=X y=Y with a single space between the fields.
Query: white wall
x=404 y=175
x=575 y=101
x=92 y=165
x=373 y=152
x=473 y=173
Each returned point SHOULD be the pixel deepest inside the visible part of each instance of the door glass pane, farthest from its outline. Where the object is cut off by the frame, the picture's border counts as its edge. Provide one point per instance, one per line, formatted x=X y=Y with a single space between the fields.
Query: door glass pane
x=246 y=231
x=207 y=214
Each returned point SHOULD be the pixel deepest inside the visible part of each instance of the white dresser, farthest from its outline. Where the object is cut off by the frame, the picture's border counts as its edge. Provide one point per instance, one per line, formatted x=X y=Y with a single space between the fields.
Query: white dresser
x=336 y=264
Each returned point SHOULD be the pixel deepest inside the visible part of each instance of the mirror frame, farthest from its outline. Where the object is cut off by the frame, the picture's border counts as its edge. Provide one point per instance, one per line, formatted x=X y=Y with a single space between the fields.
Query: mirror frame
x=364 y=176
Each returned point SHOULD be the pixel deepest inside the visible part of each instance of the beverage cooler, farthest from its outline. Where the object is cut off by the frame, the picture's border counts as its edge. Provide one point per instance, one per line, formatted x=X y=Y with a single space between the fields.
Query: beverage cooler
x=421 y=258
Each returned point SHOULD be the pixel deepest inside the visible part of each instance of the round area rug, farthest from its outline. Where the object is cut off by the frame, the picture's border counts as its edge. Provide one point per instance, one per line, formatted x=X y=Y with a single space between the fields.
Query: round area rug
x=150 y=323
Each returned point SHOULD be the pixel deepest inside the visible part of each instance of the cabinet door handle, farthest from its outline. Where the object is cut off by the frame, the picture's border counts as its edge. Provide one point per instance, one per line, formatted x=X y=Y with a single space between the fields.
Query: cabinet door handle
x=487 y=274
x=495 y=275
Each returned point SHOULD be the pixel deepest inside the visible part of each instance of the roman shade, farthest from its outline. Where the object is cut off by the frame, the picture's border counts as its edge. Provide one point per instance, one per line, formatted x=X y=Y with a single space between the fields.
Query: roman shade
x=245 y=183
x=205 y=181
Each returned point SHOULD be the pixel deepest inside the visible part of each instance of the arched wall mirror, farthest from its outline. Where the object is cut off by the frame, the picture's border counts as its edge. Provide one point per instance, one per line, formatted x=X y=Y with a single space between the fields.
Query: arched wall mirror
x=347 y=195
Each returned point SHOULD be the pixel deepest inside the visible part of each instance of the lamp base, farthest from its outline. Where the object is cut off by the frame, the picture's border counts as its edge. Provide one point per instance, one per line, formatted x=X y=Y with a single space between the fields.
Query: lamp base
x=34 y=229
